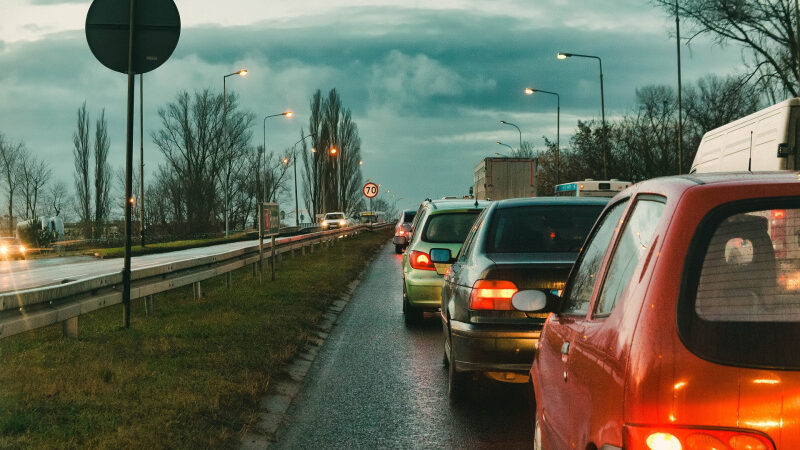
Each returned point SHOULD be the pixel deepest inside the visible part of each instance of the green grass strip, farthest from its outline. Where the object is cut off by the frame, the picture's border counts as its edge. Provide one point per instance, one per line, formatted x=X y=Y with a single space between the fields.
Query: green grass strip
x=190 y=376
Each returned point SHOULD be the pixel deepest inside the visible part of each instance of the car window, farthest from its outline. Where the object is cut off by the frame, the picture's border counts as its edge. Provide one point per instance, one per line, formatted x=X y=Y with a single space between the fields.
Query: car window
x=408 y=216
x=541 y=228
x=451 y=227
x=466 y=249
x=578 y=294
x=632 y=245
x=334 y=216
x=743 y=302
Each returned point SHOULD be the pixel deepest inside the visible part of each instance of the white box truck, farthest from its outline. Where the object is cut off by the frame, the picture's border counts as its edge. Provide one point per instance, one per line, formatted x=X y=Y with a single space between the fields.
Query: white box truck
x=501 y=178
x=763 y=141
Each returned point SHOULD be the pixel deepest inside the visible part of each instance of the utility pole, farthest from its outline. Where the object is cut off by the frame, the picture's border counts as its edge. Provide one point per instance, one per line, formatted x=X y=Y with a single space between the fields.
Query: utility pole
x=680 y=104
x=141 y=157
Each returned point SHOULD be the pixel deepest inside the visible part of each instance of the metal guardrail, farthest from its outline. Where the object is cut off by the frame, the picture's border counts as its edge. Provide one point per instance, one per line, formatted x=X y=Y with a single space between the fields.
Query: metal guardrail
x=30 y=309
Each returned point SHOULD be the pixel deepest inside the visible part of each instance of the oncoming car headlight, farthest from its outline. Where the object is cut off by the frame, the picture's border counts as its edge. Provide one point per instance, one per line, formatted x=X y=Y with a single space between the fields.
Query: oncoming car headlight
x=324 y=223
x=3 y=249
x=342 y=222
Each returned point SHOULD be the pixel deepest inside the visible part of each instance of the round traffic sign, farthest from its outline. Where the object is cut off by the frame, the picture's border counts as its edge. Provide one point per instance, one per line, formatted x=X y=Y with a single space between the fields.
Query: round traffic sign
x=157 y=27
x=370 y=190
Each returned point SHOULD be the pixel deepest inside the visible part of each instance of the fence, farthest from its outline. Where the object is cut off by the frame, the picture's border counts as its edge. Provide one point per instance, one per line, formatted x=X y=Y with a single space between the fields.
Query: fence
x=30 y=309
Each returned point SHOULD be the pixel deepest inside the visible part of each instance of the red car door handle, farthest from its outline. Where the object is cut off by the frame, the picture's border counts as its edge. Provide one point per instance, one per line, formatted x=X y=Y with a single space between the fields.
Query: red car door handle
x=565 y=348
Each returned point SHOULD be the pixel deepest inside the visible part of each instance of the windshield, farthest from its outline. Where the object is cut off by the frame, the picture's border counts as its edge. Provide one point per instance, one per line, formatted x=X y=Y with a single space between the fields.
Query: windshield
x=449 y=227
x=334 y=216
x=532 y=229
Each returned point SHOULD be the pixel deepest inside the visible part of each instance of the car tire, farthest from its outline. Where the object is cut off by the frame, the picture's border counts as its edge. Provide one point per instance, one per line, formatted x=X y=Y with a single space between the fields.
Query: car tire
x=398 y=248
x=411 y=315
x=456 y=381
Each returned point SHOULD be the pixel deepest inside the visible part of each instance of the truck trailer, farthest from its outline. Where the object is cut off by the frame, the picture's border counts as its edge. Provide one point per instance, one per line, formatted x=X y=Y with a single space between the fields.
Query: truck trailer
x=501 y=178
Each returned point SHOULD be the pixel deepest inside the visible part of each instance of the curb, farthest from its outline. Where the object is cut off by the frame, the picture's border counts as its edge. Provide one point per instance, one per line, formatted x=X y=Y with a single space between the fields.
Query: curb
x=287 y=384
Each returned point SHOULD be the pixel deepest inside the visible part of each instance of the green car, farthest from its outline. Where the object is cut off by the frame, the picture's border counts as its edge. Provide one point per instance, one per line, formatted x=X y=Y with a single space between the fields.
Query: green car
x=437 y=224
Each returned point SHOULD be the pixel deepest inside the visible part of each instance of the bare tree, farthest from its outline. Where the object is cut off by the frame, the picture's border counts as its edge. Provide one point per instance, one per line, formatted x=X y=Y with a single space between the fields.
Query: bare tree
x=9 y=169
x=332 y=180
x=767 y=29
x=200 y=163
x=33 y=175
x=56 y=198
x=102 y=174
x=81 y=155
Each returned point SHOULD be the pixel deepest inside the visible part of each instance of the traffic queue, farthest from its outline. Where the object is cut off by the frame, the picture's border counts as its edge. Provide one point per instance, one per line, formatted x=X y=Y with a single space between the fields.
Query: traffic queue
x=661 y=318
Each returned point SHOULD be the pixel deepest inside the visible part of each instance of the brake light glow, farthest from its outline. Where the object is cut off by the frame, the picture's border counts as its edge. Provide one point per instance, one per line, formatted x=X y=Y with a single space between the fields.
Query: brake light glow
x=493 y=295
x=401 y=232
x=695 y=438
x=663 y=441
x=420 y=260
x=778 y=214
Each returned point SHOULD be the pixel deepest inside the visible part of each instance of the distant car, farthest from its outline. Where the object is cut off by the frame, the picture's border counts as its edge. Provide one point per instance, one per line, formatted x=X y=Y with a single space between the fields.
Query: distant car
x=334 y=220
x=516 y=245
x=402 y=229
x=441 y=224
x=678 y=323
x=12 y=248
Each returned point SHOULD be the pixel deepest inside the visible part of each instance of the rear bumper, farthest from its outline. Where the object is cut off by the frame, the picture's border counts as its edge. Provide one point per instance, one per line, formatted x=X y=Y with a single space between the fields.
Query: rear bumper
x=492 y=348
x=424 y=289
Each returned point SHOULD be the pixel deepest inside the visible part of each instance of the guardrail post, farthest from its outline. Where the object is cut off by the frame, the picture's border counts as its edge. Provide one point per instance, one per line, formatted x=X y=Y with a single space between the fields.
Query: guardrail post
x=69 y=328
x=197 y=290
x=303 y=250
x=228 y=280
x=272 y=260
x=149 y=305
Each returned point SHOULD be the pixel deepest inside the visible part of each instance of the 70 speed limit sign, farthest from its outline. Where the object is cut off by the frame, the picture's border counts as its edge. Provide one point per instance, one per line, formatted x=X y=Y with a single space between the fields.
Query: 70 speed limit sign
x=370 y=190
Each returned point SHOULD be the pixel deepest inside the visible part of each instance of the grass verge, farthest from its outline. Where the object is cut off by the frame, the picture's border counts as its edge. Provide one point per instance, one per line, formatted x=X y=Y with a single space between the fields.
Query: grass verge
x=190 y=376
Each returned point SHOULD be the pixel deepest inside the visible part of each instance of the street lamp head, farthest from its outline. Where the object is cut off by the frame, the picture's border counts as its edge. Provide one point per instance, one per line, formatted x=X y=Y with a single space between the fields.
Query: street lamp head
x=334 y=150
x=561 y=55
x=503 y=121
x=361 y=163
x=242 y=72
x=313 y=150
x=529 y=91
x=498 y=143
x=286 y=160
x=288 y=114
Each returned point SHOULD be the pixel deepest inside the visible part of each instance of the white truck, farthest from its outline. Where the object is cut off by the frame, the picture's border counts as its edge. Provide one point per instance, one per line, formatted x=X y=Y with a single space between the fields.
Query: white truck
x=763 y=141
x=501 y=178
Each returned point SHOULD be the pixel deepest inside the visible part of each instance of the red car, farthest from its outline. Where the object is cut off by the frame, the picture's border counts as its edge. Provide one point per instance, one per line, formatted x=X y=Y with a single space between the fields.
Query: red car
x=679 y=321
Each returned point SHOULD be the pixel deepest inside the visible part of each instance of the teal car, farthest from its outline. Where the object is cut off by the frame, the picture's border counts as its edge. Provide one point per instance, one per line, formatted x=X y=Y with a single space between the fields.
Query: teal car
x=437 y=224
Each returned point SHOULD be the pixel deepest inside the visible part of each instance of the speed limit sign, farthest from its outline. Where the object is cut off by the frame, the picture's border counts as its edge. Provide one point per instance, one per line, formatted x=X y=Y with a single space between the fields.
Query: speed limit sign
x=370 y=190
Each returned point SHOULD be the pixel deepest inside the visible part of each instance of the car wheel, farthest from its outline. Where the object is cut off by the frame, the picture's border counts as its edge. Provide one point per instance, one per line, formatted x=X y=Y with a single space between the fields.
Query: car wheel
x=412 y=315
x=456 y=381
x=398 y=249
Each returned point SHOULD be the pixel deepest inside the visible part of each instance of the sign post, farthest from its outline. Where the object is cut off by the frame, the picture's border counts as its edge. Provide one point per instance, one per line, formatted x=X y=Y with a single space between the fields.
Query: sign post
x=269 y=224
x=131 y=37
x=370 y=190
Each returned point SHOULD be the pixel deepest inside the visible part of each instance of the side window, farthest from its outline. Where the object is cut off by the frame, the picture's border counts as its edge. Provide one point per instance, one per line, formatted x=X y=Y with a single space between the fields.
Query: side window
x=633 y=244
x=463 y=254
x=579 y=293
x=419 y=219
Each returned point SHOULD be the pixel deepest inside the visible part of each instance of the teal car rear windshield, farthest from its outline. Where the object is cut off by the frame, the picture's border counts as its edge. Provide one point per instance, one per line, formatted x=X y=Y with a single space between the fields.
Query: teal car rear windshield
x=449 y=227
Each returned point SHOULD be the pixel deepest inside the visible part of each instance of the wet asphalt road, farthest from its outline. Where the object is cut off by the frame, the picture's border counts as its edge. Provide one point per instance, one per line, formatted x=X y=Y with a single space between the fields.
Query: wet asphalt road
x=378 y=384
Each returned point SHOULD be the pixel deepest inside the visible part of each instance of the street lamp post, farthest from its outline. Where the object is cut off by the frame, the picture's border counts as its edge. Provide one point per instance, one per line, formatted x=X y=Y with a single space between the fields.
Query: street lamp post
x=531 y=91
x=503 y=122
x=287 y=114
x=562 y=55
x=242 y=73
x=506 y=145
x=294 y=163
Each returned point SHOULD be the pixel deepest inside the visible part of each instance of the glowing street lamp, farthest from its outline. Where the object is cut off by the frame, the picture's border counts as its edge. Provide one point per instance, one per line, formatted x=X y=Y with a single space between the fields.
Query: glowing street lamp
x=562 y=55
x=531 y=91
x=241 y=73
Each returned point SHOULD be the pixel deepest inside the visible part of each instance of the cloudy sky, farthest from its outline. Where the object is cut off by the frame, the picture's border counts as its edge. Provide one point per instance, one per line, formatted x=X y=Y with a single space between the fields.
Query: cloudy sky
x=427 y=82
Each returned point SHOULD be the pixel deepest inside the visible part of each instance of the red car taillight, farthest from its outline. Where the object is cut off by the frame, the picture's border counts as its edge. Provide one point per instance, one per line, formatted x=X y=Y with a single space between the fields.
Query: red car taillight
x=492 y=294
x=401 y=232
x=420 y=260
x=679 y=438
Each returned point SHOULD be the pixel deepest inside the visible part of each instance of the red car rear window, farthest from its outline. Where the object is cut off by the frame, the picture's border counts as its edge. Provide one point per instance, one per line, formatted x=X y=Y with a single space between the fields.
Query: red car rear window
x=741 y=302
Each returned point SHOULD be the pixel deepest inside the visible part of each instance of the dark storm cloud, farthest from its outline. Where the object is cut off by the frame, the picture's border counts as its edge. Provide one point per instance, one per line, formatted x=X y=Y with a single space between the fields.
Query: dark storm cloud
x=424 y=86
